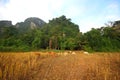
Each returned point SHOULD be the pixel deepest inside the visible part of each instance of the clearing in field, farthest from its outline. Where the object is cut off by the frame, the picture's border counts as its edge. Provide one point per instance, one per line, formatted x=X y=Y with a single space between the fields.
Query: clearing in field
x=66 y=65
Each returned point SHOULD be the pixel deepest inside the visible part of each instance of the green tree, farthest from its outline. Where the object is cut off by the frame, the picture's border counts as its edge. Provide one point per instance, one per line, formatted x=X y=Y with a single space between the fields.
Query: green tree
x=94 y=39
x=58 y=30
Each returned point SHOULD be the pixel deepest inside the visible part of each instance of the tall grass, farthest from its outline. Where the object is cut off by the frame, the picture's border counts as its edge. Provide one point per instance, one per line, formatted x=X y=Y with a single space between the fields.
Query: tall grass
x=35 y=66
x=105 y=67
x=17 y=66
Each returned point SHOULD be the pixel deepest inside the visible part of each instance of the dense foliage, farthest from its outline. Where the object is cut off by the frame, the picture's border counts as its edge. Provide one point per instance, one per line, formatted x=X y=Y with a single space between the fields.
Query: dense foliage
x=60 y=34
x=106 y=39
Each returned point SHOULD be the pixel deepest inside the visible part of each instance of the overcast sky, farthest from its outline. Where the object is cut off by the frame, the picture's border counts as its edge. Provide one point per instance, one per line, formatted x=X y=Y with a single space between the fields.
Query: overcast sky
x=86 y=13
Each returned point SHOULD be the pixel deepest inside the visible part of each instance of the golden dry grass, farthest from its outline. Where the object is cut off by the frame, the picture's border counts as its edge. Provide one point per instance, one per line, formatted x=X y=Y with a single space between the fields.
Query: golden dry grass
x=44 y=66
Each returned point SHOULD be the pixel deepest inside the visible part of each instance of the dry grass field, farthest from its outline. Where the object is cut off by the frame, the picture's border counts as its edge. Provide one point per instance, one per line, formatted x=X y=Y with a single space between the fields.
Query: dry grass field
x=66 y=65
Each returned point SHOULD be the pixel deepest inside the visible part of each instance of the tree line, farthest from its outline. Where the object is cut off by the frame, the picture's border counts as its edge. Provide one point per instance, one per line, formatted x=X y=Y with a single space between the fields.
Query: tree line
x=60 y=34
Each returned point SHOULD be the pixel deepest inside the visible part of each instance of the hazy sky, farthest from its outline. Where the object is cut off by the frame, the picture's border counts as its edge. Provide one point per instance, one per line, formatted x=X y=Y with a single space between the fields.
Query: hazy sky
x=85 y=13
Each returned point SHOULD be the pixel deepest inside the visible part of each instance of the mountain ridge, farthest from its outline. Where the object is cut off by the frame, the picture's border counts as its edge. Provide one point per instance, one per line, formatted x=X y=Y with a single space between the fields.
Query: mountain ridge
x=30 y=23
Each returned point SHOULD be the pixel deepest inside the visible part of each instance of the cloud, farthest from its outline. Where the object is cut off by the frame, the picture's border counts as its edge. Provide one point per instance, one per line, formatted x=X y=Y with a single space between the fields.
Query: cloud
x=90 y=22
x=111 y=11
x=113 y=6
x=17 y=10
x=85 y=13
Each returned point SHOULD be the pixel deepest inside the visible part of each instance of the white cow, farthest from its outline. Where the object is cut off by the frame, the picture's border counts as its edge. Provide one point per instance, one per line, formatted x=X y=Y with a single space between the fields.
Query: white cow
x=86 y=53
x=73 y=53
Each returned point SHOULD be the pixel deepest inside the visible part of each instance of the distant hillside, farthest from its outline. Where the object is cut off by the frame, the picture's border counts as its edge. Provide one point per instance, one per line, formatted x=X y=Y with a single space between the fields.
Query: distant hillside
x=30 y=23
x=116 y=25
x=5 y=23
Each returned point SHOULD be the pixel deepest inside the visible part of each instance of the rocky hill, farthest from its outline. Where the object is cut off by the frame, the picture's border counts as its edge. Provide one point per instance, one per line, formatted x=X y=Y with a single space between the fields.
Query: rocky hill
x=30 y=23
x=116 y=25
x=5 y=23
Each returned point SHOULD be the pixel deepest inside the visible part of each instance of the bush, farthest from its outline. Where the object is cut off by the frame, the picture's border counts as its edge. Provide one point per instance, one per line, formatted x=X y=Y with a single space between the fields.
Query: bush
x=88 y=48
x=14 y=48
